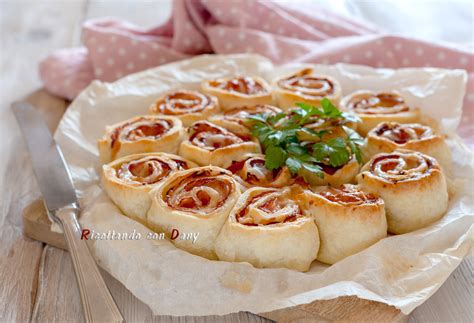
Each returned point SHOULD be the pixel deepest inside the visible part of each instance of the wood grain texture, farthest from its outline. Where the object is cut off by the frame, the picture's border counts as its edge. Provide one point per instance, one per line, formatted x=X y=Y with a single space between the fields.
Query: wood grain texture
x=29 y=30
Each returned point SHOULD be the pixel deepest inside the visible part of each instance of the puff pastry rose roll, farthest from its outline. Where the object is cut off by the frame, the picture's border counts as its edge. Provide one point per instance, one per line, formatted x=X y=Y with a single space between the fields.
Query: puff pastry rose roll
x=373 y=108
x=390 y=136
x=305 y=86
x=412 y=186
x=269 y=229
x=194 y=202
x=253 y=172
x=209 y=144
x=128 y=180
x=349 y=220
x=188 y=106
x=141 y=134
x=236 y=119
x=238 y=91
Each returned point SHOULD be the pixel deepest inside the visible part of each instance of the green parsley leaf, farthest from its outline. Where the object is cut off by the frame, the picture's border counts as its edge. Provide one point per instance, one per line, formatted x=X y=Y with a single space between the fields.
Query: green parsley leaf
x=354 y=141
x=296 y=149
x=330 y=111
x=339 y=154
x=334 y=152
x=314 y=168
x=307 y=134
x=275 y=157
x=294 y=165
x=275 y=118
x=287 y=141
x=257 y=117
x=321 y=151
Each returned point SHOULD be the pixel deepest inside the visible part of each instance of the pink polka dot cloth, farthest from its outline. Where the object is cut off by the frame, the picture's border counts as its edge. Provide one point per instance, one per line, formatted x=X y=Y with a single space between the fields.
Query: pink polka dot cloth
x=114 y=48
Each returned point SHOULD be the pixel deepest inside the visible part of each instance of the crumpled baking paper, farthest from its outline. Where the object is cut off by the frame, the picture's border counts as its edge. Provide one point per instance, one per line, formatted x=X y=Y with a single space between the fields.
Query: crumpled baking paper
x=402 y=271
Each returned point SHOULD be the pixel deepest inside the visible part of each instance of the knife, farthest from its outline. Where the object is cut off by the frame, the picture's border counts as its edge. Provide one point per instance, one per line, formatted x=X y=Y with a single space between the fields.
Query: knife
x=61 y=203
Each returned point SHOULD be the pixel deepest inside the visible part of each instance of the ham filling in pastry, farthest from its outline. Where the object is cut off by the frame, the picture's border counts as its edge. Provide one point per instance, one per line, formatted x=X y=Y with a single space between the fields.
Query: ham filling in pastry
x=253 y=172
x=373 y=108
x=269 y=229
x=209 y=144
x=141 y=134
x=305 y=86
x=412 y=186
x=196 y=201
x=390 y=136
x=188 y=106
x=128 y=180
x=239 y=91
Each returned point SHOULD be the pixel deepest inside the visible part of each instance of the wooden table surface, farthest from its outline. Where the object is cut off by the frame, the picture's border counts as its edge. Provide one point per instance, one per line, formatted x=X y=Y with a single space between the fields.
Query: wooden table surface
x=37 y=281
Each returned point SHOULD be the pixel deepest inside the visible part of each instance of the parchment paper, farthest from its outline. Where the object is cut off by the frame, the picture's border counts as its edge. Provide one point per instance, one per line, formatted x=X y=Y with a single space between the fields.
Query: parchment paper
x=400 y=270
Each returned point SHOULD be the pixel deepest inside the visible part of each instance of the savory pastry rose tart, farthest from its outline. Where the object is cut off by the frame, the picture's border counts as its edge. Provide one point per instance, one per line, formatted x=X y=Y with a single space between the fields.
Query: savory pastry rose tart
x=195 y=201
x=373 y=108
x=238 y=91
x=141 y=134
x=209 y=144
x=236 y=120
x=305 y=86
x=269 y=229
x=390 y=136
x=253 y=172
x=128 y=180
x=348 y=219
x=412 y=186
x=189 y=106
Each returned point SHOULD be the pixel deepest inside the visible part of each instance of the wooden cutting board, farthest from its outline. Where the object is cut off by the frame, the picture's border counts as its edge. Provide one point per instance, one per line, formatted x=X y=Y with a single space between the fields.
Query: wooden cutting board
x=36 y=225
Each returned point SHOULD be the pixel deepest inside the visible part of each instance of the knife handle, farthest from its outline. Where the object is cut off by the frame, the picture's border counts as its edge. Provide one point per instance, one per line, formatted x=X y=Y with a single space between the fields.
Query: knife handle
x=96 y=299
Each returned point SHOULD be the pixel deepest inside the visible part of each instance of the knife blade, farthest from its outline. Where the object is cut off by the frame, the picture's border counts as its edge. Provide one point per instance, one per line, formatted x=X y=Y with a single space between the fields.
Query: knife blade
x=60 y=199
x=52 y=173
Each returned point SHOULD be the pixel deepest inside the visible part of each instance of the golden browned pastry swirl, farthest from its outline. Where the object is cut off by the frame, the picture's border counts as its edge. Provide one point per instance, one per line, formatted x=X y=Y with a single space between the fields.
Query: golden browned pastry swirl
x=269 y=207
x=141 y=128
x=238 y=91
x=244 y=85
x=306 y=83
x=376 y=103
x=208 y=136
x=348 y=219
x=183 y=102
x=269 y=229
x=202 y=191
x=402 y=133
x=253 y=172
x=402 y=165
x=390 y=136
x=129 y=180
x=141 y=134
x=347 y=195
x=412 y=186
x=149 y=169
x=374 y=108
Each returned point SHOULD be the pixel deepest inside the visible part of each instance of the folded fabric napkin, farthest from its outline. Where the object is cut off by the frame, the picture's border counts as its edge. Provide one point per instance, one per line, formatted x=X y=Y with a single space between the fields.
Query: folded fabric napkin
x=114 y=48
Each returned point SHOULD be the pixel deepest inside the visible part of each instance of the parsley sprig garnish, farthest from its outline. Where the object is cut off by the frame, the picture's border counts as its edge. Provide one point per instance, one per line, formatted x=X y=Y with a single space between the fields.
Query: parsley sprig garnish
x=287 y=140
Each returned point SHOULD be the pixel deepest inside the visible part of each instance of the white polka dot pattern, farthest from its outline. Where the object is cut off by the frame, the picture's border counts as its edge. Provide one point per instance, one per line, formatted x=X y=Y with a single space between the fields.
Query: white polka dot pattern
x=114 y=49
